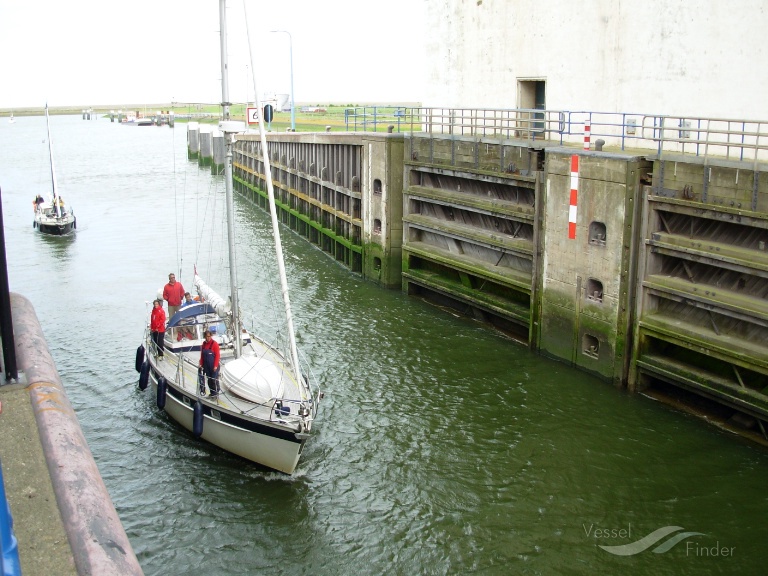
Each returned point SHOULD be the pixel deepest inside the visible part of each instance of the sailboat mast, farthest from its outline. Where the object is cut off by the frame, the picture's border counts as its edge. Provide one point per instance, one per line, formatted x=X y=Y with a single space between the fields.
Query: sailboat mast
x=230 y=201
x=273 y=214
x=56 y=208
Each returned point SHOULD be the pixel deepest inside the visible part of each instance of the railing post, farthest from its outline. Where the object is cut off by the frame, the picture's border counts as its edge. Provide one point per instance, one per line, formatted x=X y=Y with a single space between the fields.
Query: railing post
x=706 y=142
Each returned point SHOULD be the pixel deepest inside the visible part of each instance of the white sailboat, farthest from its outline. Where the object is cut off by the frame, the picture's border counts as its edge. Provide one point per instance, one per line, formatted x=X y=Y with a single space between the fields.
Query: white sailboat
x=52 y=216
x=11 y=120
x=267 y=401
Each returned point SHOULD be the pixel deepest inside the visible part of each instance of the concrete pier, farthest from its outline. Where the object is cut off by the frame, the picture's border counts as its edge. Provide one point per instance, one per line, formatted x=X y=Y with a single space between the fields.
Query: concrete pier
x=205 y=157
x=193 y=140
x=219 y=153
x=64 y=519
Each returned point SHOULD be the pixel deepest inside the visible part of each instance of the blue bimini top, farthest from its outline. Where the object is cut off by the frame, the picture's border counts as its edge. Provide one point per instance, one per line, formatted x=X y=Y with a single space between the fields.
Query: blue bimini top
x=189 y=312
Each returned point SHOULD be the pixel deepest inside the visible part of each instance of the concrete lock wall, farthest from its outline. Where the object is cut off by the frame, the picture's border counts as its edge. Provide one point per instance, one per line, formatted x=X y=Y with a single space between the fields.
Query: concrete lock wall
x=663 y=284
x=588 y=282
x=383 y=208
x=469 y=227
x=701 y=313
x=321 y=183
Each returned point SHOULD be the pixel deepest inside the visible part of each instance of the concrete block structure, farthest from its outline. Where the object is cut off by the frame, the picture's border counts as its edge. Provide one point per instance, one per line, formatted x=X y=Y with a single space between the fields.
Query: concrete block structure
x=588 y=277
x=219 y=153
x=634 y=57
x=193 y=140
x=342 y=192
x=646 y=265
x=674 y=299
x=469 y=227
x=205 y=157
x=702 y=310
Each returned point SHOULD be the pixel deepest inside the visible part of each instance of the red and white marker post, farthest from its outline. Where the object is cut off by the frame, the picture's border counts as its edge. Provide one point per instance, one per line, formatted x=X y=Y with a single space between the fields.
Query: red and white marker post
x=574 y=197
x=587 y=133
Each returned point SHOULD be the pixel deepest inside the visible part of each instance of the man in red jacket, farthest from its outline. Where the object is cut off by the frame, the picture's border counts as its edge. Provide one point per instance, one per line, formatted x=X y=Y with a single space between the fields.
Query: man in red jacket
x=173 y=293
x=210 y=356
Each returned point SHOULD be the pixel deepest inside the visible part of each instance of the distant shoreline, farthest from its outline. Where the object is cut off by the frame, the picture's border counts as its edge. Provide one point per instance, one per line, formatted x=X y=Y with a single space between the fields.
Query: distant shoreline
x=176 y=106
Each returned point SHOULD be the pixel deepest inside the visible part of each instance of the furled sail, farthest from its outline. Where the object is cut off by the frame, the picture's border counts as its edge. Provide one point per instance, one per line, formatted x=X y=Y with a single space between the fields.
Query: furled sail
x=208 y=295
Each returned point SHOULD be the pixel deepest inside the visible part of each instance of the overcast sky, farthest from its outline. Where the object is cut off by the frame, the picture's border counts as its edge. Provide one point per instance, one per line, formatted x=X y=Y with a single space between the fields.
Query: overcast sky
x=87 y=52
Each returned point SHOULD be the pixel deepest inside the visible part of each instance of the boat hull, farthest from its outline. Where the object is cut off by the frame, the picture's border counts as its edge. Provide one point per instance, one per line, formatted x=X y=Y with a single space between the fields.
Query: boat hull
x=56 y=229
x=259 y=440
x=55 y=226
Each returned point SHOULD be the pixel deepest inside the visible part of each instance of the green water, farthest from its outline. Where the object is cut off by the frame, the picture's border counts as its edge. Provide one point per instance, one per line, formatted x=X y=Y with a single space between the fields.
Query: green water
x=441 y=447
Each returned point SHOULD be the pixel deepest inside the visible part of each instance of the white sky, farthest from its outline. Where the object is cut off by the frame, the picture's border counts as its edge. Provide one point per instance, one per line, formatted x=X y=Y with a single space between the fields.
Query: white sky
x=87 y=52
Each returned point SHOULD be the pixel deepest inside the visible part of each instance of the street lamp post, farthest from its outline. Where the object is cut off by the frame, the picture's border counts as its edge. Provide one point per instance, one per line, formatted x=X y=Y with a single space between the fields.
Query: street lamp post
x=293 y=106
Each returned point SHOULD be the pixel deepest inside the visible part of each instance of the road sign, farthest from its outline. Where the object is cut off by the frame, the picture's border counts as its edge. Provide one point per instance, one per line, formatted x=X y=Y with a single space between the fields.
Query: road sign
x=268 y=113
x=253 y=115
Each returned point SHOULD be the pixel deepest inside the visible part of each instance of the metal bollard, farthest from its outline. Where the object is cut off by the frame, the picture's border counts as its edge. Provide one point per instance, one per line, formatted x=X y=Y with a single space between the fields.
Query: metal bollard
x=599 y=143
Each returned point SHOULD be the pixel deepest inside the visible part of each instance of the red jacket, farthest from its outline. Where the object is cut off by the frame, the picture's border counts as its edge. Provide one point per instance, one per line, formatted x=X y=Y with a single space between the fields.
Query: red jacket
x=214 y=347
x=157 y=322
x=173 y=293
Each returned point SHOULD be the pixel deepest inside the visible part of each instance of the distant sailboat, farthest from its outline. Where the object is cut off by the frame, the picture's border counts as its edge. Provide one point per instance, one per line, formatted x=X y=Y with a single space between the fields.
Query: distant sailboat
x=11 y=120
x=52 y=216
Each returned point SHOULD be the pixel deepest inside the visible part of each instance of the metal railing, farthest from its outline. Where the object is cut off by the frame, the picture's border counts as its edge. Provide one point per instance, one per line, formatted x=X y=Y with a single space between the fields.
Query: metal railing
x=743 y=140
x=377 y=118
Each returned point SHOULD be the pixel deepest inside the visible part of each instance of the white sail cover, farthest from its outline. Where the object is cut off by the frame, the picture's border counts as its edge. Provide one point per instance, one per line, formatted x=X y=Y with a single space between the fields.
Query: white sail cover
x=207 y=293
x=255 y=379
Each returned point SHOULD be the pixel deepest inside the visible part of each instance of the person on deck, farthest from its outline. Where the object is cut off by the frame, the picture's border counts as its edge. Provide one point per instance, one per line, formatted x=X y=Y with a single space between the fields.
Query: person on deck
x=188 y=300
x=173 y=293
x=186 y=332
x=157 y=327
x=210 y=355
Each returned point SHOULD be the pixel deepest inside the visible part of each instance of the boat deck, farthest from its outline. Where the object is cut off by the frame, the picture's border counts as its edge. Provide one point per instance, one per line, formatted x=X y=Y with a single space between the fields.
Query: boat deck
x=184 y=375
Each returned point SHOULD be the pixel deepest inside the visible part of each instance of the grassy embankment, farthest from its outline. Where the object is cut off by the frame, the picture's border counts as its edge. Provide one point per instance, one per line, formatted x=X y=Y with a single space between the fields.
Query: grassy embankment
x=316 y=121
x=332 y=115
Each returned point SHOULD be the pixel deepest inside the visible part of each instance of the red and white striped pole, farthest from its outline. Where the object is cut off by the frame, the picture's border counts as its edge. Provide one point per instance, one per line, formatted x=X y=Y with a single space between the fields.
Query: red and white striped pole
x=574 y=197
x=587 y=133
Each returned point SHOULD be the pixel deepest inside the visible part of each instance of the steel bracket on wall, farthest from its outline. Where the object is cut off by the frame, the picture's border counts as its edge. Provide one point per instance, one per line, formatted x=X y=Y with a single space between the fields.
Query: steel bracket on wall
x=755 y=182
x=705 y=187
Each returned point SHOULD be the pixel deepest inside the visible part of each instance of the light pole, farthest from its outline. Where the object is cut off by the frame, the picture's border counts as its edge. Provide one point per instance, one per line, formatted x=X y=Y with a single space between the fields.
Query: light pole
x=293 y=106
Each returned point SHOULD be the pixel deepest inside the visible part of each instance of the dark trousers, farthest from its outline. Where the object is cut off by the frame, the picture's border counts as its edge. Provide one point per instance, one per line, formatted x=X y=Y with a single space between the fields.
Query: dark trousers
x=158 y=338
x=213 y=382
x=213 y=375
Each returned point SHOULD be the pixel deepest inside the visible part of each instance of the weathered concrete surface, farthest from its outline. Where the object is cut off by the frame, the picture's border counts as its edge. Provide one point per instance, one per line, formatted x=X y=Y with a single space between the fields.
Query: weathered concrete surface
x=97 y=540
x=43 y=544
